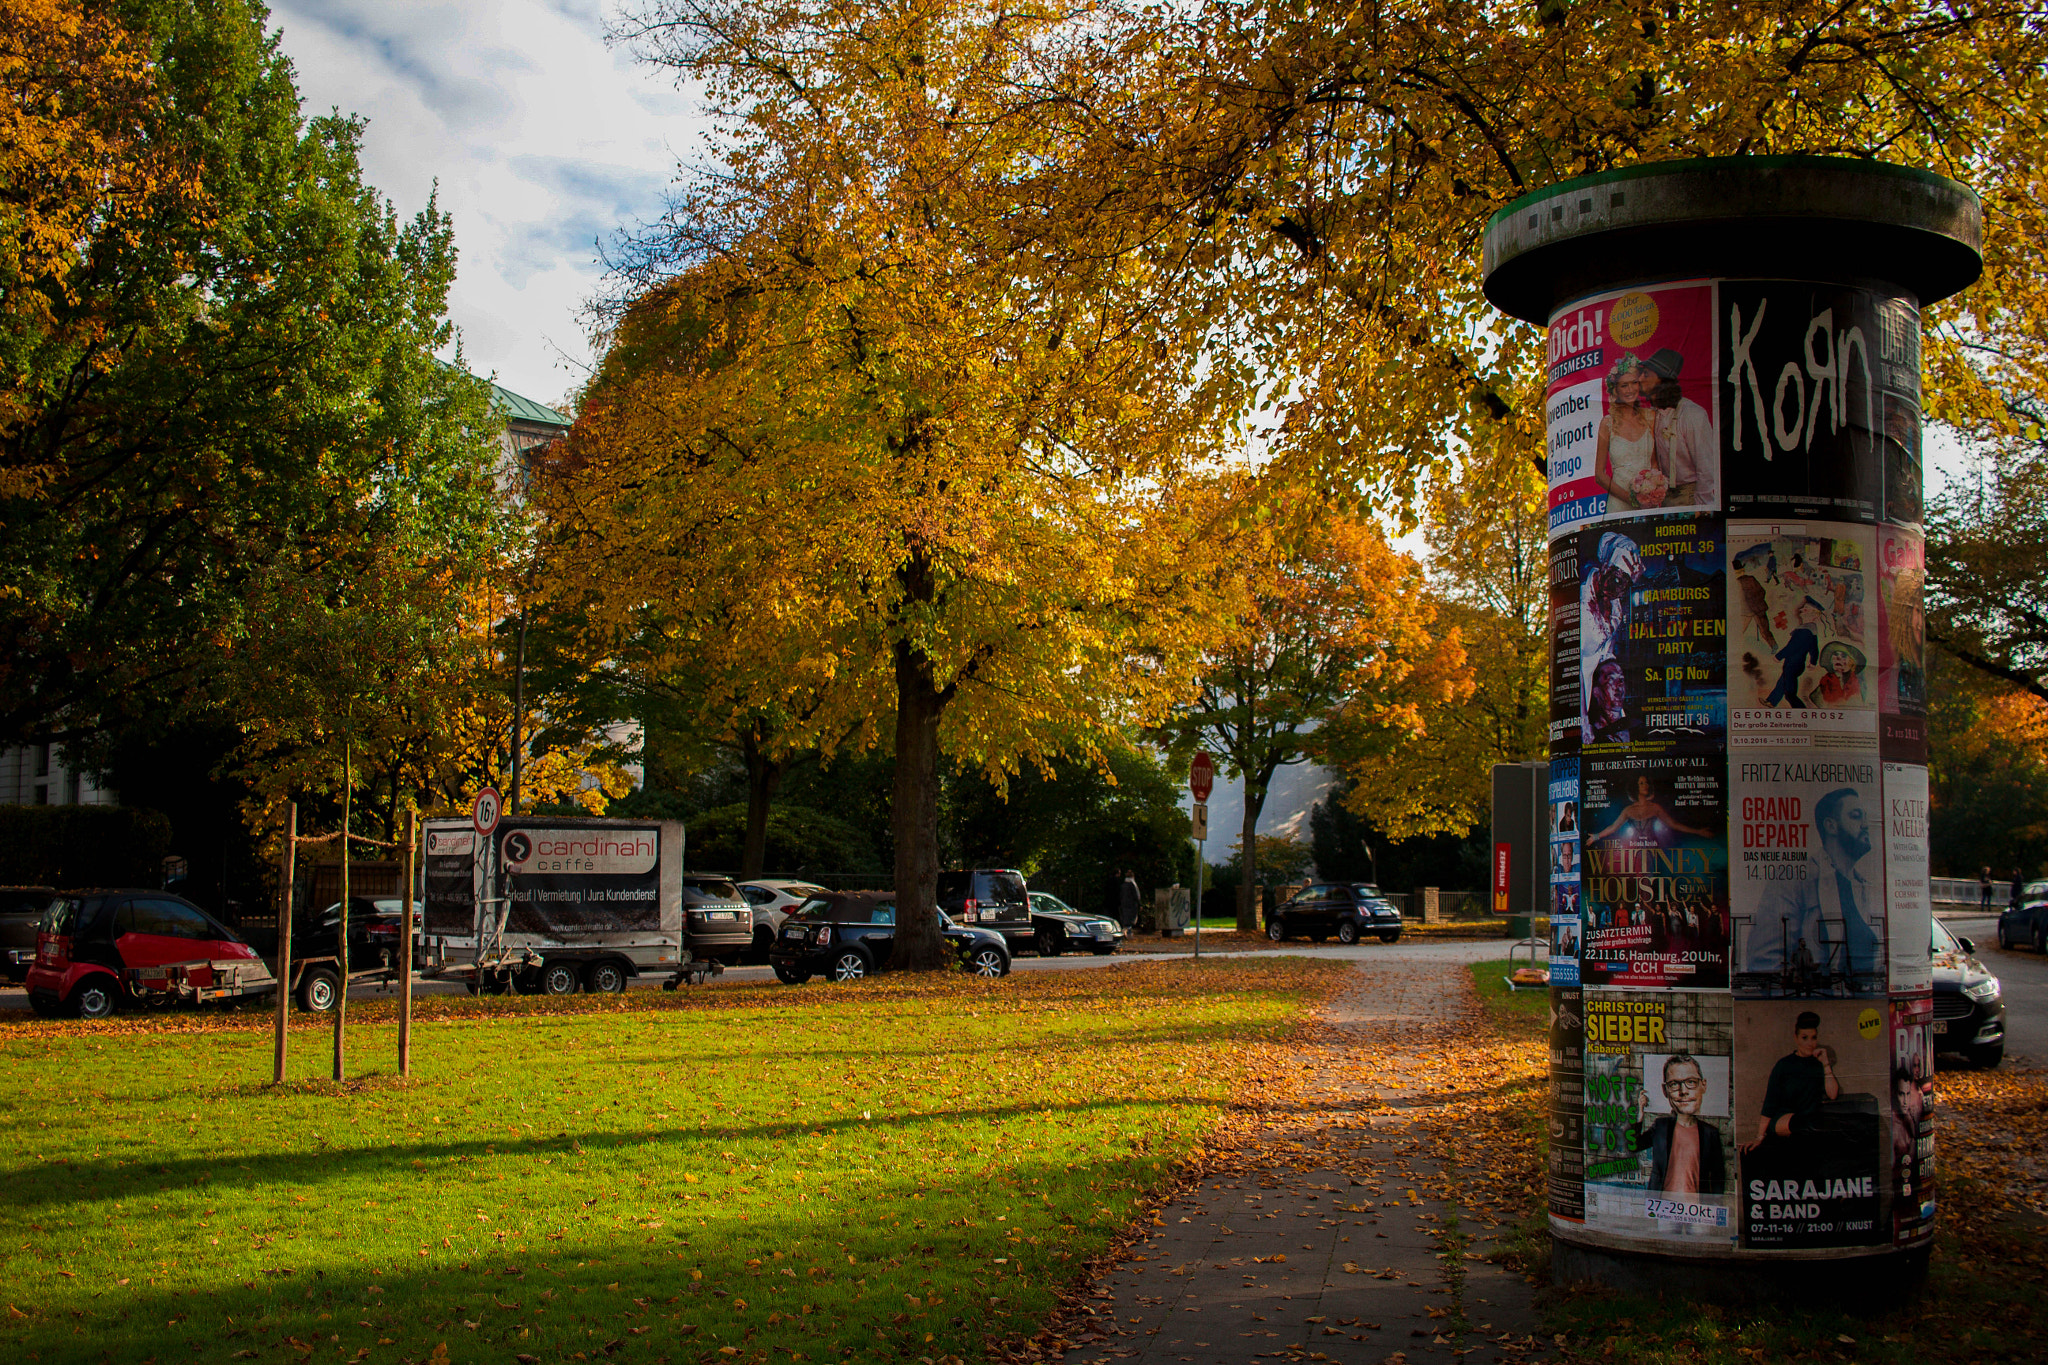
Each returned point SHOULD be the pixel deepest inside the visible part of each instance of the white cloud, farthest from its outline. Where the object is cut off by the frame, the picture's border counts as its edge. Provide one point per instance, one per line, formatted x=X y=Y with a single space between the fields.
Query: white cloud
x=544 y=141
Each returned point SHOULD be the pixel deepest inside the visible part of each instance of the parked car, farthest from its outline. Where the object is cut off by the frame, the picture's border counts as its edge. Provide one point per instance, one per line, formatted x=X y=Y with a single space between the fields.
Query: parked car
x=1348 y=910
x=1057 y=926
x=991 y=898
x=2026 y=924
x=90 y=940
x=718 y=924
x=847 y=935
x=1969 y=1006
x=773 y=899
x=21 y=912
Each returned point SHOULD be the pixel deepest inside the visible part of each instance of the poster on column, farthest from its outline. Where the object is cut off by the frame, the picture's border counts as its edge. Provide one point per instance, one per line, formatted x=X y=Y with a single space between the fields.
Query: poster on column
x=1807 y=886
x=1813 y=378
x=1653 y=625
x=1654 y=878
x=1908 y=908
x=1567 y=1182
x=1565 y=710
x=1564 y=871
x=1901 y=644
x=1629 y=411
x=1799 y=636
x=1659 y=1142
x=1813 y=1121
x=1912 y=1169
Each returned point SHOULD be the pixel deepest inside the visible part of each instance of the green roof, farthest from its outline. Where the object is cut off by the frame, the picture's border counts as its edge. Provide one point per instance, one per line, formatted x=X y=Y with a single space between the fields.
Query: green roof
x=517 y=409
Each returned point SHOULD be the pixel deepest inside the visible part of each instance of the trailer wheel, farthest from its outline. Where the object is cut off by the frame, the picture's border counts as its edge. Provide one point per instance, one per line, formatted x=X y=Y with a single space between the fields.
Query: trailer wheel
x=558 y=978
x=97 y=997
x=605 y=978
x=319 y=990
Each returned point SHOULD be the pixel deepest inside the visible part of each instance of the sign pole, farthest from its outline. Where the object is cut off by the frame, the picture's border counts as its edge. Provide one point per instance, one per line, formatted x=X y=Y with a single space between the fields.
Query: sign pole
x=1200 y=859
x=286 y=861
x=1201 y=781
x=412 y=839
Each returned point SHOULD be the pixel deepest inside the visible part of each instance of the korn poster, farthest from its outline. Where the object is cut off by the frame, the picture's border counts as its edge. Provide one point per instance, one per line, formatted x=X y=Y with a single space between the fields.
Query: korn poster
x=1807 y=883
x=1567 y=1176
x=1659 y=1142
x=1799 y=635
x=1909 y=911
x=1653 y=637
x=1654 y=873
x=1813 y=1121
x=1806 y=370
x=1563 y=821
x=1629 y=412
x=1912 y=1116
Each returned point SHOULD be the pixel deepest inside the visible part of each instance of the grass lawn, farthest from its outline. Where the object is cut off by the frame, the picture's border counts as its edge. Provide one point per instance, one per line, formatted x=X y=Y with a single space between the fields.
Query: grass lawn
x=1983 y=1300
x=901 y=1168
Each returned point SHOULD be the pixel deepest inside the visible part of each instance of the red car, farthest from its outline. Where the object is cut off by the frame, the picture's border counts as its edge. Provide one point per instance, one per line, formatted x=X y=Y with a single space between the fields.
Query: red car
x=90 y=940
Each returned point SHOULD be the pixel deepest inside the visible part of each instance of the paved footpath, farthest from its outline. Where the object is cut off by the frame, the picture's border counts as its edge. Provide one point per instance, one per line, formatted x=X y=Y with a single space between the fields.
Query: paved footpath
x=1331 y=1249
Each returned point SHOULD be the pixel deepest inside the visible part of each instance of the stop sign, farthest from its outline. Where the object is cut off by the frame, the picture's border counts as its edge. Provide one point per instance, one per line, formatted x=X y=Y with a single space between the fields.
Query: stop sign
x=1201 y=776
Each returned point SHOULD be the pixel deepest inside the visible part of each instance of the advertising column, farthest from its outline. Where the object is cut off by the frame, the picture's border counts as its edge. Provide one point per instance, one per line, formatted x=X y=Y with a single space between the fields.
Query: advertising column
x=1741 y=1020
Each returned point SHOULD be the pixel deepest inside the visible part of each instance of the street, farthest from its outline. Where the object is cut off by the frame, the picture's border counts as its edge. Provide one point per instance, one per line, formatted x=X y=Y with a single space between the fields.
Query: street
x=2024 y=975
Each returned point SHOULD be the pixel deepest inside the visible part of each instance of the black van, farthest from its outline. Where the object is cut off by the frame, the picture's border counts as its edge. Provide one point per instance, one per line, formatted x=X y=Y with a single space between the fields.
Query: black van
x=990 y=898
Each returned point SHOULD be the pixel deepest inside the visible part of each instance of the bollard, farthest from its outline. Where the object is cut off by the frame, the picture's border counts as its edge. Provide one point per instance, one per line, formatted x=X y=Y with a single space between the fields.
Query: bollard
x=1742 y=1040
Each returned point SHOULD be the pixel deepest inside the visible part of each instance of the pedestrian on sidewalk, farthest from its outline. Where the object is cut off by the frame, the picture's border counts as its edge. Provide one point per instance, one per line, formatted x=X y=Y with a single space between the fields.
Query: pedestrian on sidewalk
x=2019 y=888
x=1128 y=901
x=1984 y=886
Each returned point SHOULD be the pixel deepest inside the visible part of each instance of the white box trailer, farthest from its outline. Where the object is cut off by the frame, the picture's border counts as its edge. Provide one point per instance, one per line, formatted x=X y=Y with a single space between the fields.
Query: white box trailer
x=551 y=905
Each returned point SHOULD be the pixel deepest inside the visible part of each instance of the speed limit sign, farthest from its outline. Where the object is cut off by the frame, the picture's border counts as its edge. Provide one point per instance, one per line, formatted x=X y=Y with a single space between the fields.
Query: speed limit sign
x=484 y=814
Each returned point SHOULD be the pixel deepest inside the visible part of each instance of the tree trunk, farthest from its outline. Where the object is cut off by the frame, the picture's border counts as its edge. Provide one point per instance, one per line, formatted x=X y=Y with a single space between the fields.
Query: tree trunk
x=764 y=775
x=1248 y=860
x=914 y=812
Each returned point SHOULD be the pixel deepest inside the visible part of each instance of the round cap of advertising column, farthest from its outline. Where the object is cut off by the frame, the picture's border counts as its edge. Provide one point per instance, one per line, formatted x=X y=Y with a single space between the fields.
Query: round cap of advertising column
x=1761 y=217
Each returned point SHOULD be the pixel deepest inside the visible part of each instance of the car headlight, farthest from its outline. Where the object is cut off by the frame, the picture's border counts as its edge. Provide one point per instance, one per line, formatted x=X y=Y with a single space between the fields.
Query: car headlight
x=1986 y=990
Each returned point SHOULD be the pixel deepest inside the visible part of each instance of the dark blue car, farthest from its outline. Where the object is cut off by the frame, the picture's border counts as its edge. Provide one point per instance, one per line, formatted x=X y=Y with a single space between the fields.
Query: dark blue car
x=846 y=935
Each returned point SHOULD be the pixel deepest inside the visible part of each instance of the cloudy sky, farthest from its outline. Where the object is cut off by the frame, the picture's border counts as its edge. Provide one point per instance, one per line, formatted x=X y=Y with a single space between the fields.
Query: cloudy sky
x=544 y=140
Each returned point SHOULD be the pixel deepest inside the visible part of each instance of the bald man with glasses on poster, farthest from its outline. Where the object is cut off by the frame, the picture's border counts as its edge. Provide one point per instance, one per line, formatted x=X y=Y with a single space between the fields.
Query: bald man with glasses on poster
x=1686 y=1156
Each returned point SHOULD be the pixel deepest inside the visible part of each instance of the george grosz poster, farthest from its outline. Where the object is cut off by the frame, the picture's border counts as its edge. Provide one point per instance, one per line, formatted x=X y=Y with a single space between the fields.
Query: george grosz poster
x=1653 y=630
x=1807 y=890
x=1567 y=1177
x=1813 y=1119
x=1658 y=1137
x=1805 y=373
x=1629 y=410
x=1901 y=643
x=1912 y=1119
x=1564 y=871
x=1654 y=875
x=1799 y=635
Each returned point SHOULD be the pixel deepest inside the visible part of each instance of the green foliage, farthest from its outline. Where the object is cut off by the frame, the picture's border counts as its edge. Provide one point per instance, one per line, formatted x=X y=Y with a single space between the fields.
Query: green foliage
x=800 y=842
x=233 y=384
x=1987 y=564
x=78 y=846
x=1068 y=829
x=1987 y=747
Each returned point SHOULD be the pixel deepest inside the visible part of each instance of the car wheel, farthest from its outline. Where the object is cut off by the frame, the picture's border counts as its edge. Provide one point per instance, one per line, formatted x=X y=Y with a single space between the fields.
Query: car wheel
x=2004 y=936
x=1276 y=930
x=989 y=961
x=319 y=990
x=558 y=978
x=791 y=976
x=605 y=978
x=850 y=965
x=1390 y=935
x=1988 y=1055
x=97 y=997
x=1051 y=942
x=1347 y=933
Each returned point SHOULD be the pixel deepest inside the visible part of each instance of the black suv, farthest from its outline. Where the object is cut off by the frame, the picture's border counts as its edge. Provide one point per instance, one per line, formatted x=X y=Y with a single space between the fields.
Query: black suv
x=2024 y=923
x=848 y=934
x=21 y=910
x=1349 y=910
x=994 y=898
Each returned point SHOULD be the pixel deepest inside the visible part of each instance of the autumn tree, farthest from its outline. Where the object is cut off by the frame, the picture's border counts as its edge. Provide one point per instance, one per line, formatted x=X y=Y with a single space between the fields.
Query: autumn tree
x=1337 y=638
